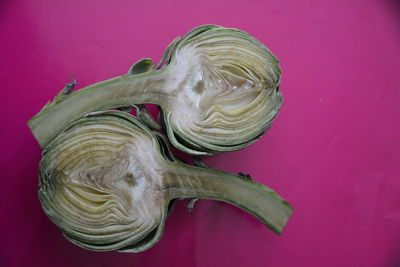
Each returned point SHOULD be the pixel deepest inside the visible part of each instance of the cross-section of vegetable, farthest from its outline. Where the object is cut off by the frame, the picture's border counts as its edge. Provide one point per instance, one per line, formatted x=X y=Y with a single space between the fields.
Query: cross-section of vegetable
x=107 y=181
x=218 y=90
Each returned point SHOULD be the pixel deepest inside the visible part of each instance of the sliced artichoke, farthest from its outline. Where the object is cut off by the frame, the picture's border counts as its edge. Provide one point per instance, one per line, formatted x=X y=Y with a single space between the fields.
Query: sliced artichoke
x=218 y=89
x=107 y=181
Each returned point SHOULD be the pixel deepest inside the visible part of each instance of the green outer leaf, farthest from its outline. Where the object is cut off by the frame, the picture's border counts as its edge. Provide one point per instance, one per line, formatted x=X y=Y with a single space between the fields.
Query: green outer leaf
x=142 y=66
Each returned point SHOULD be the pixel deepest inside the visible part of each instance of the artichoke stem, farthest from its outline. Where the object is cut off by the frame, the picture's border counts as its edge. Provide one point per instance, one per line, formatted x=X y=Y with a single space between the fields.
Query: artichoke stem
x=118 y=92
x=204 y=183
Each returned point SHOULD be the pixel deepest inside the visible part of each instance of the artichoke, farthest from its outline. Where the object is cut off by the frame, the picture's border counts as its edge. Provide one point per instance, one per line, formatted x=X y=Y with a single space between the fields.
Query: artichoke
x=107 y=181
x=217 y=88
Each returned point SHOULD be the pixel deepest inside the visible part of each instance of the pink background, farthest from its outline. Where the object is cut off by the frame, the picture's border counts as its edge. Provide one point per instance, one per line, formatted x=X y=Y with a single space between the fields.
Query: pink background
x=333 y=152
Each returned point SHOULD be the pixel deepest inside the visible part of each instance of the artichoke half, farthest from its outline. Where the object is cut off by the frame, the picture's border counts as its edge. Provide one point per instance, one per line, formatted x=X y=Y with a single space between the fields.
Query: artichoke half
x=218 y=89
x=107 y=181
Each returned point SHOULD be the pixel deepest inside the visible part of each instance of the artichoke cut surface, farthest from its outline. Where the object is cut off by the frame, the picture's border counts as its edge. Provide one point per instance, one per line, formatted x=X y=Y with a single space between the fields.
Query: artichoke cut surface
x=107 y=181
x=218 y=89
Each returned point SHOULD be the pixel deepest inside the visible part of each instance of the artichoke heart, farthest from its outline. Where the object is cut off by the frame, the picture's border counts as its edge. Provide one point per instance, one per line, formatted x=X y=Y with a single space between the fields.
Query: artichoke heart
x=107 y=181
x=217 y=88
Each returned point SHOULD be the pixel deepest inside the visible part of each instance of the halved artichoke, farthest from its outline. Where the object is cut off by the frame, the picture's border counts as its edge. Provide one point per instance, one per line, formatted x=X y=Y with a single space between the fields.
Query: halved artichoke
x=107 y=182
x=218 y=89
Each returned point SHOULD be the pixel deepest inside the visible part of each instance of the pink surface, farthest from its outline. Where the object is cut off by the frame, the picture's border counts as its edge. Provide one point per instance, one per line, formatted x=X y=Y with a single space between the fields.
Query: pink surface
x=333 y=152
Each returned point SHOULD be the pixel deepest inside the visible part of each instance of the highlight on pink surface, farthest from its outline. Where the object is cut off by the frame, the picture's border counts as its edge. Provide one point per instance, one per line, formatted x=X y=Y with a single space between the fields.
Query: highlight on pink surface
x=332 y=153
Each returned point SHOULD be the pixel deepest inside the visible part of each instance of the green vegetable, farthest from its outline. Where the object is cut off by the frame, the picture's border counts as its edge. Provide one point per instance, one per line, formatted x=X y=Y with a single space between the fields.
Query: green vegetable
x=218 y=90
x=107 y=181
